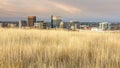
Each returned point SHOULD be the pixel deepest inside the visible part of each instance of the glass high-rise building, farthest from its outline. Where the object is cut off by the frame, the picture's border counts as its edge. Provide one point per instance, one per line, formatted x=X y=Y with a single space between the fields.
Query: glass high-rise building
x=55 y=21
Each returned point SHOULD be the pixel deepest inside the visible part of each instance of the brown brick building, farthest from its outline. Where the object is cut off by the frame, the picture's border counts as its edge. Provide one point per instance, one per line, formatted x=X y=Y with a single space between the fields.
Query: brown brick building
x=31 y=21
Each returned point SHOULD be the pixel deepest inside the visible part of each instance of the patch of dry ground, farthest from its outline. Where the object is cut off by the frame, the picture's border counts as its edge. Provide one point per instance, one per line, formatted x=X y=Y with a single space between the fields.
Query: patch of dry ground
x=20 y=48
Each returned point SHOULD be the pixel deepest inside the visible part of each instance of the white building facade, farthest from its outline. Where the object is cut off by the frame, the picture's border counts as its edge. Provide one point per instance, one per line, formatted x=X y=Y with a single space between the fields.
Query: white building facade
x=105 y=26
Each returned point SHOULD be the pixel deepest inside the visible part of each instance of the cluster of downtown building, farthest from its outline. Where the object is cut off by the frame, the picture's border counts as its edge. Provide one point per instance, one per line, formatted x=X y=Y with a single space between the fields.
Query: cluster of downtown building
x=57 y=23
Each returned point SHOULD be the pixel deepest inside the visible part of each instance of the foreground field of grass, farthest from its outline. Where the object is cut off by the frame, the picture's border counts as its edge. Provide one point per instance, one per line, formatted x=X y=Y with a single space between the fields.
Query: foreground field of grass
x=20 y=48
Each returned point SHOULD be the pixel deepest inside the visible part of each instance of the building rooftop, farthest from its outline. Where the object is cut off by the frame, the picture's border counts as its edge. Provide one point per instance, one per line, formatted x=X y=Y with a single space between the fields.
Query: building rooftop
x=104 y=23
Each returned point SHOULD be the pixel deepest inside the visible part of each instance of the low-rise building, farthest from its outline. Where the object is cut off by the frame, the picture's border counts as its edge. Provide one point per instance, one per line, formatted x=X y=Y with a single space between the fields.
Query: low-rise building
x=105 y=26
x=73 y=25
x=96 y=29
x=40 y=24
x=85 y=27
x=12 y=25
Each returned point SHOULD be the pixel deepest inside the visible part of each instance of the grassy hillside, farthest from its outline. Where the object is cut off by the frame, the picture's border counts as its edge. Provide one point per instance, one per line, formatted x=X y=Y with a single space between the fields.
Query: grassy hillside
x=21 y=48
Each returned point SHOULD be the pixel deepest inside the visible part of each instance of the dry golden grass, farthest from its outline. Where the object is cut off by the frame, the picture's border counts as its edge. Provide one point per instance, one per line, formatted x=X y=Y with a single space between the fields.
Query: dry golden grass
x=20 y=48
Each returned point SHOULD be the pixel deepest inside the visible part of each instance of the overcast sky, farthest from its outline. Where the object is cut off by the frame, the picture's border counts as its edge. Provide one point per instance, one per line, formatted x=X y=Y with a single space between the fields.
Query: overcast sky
x=82 y=10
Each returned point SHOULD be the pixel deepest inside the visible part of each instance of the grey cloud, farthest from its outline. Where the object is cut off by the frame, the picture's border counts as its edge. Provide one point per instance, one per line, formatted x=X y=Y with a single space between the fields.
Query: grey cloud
x=89 y=8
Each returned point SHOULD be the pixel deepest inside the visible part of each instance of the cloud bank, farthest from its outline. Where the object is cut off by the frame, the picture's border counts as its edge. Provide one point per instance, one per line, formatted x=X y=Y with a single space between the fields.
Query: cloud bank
x=67 y=8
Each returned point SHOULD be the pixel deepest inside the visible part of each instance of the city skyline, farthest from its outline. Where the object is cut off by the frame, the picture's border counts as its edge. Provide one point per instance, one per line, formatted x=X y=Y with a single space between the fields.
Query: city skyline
x=103 y=10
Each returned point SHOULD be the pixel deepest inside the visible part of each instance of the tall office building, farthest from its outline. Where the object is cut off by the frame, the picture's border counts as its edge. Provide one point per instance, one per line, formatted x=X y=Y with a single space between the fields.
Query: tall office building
x=22 y=23
x=55 y=21
x=31 y=20
x=61 y=24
